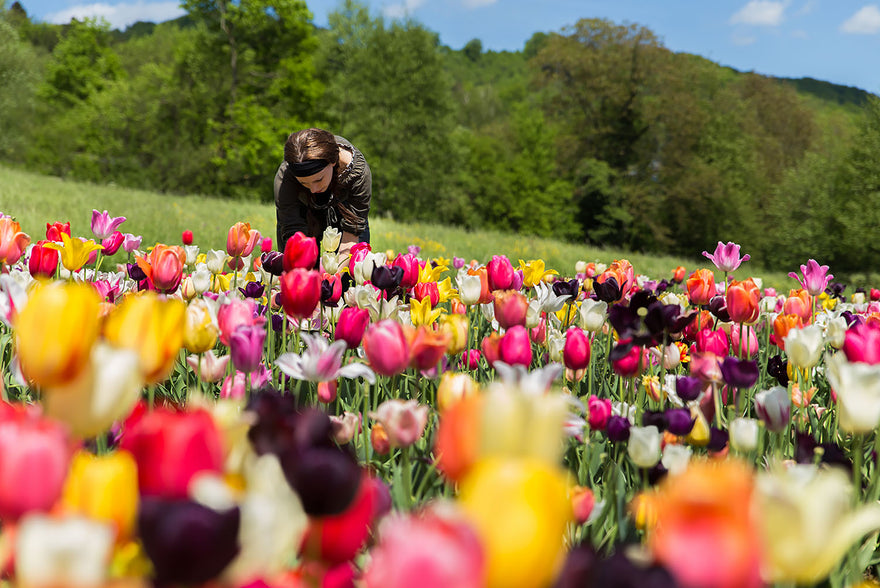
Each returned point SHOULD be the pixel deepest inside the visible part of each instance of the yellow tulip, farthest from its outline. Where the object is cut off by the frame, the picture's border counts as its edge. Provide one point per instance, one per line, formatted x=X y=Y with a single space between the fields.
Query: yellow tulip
x=104 y=488
x=447 y=292
x=427 y=273
x=55 y=332
x=73 y=251
x=534 y=272
x=421 y=313
x=200 y=332
x=699 y=435
x=456 y=325
x=520 y=509
x=151 y=325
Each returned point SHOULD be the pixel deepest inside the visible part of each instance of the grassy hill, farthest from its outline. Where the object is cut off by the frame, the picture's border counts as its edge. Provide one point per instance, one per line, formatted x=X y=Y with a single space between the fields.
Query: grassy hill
x=35 y=200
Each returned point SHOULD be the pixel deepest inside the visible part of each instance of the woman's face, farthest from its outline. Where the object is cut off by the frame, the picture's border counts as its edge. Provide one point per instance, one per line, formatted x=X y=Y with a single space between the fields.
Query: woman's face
x=318 y=182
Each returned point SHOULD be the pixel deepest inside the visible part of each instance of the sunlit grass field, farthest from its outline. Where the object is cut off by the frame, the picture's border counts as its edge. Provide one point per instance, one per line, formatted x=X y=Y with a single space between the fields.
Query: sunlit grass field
x=35 y=200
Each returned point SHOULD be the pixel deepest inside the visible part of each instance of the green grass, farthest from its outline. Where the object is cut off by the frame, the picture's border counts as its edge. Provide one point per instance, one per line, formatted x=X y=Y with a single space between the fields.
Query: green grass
x=35 y=200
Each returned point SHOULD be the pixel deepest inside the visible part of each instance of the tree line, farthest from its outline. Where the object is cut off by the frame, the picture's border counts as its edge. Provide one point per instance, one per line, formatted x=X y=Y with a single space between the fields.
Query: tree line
x=596 y=133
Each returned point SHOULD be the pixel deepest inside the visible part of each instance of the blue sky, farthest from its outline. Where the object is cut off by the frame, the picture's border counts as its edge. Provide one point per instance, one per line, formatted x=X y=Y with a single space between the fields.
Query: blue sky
x=832 y=40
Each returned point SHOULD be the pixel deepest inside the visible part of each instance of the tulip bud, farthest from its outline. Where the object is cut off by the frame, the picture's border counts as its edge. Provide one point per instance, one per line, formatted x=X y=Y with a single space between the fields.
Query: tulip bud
x=187 y=237
x=599 y=412
x=499 y=273
x=582 y=502
x=515 y=347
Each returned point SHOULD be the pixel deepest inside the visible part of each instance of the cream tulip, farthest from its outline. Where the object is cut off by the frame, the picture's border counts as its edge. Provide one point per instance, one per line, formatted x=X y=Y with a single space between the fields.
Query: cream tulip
x=858 y=393
x=804 y=346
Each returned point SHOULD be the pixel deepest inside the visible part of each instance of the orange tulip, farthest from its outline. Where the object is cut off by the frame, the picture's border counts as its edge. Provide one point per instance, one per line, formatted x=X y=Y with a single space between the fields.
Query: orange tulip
x=457 y=442
x=12 y=241
x=701 y=286
x=742 y=301
x=241 y=240
x=426 y=347
x=164 y=266
x=799 y=302
x=782 y=324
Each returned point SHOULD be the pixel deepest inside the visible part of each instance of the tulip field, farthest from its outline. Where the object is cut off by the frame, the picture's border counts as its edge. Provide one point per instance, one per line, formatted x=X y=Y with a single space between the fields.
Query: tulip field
x=299 y=417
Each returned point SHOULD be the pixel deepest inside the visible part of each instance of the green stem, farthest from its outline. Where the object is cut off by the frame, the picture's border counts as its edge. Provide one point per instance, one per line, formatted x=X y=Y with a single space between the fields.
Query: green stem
x=406 y=474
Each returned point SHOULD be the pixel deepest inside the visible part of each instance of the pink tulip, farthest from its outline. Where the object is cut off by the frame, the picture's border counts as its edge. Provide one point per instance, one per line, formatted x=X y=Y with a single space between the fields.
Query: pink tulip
x=351 y=325
x=246 y=347
x=515 y=347
x=234 y=385
x=500 y=273
x=103 y=224
x=112 y=243
x=815 y=277
x=726 y=257
x=862 y=343
x=706 y=366
x=631 y=364
x=404 y=421
x=713 y=342
x=576 y=352
x=429 y=550
x=510 y=308
x=386 y=347
x=470 y=359
x=410 y=266
x=210 y=367
x=600 y=412
x=234 y=314
x=539 y=334
x=131 y=242
x=743 y=345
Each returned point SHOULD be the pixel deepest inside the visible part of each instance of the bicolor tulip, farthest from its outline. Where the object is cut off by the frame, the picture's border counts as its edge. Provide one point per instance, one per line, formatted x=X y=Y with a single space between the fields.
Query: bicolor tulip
x=576 y=353
x=773 y=406
x=300 y=252
x=814 y=277
x=510 y=308
x=515 y=347
x=163 y=267
x=103 y=225
x=300 y=292
x=200 y=331
x=499 y=273
x=43 y=261
x=112 y=243
x=403 y=421
x=75 y=253
x=351 y=325
x=241 y=240
x=131 y=242
x=386 y=347
x=701 y=287
x=46 y=359
x=743 y=301
x=726 y=257
x=331 y=289
x=427 y=347
x=322 y=362
x=153 y=327
x=208 y=366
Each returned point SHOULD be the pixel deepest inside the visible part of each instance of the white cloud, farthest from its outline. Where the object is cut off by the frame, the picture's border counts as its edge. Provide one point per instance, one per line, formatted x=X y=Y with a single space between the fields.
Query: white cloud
x=864 y=22
x=120 y=15
x=403 y=9
x=477 y=3
x=807 y=8
x=761 y=13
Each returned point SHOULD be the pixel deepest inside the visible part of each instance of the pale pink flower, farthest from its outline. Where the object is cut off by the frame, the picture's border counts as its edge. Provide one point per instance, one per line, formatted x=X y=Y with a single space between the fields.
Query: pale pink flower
x=815 y=277
x=726 y=257
x=103 y=225
x=403 y=421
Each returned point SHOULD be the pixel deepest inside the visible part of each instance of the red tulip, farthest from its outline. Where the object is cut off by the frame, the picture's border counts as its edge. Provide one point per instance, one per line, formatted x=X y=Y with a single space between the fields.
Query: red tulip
x=576 y=352
x=338 y=538
x=351 y=325
x=631 y=364
x=171 y=448
x=43 y=261
x=510 y=308
x=713 y=341
x=499 y=273
x=386 y=347
x=187 y=237
x=410 y=266
x=470 y=359
x=701 y=286
x=36 y=454
x=300 y=252
x=515 y=347
x=300 y=292
x=743 y=300
x=53 y=231
x=428 y=290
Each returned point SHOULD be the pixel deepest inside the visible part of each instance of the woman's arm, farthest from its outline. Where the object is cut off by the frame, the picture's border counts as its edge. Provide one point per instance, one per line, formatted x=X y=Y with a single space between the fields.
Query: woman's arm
x=348 y=239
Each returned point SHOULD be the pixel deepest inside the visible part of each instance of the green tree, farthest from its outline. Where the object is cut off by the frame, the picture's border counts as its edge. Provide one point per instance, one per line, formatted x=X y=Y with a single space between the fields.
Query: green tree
x=19 y=75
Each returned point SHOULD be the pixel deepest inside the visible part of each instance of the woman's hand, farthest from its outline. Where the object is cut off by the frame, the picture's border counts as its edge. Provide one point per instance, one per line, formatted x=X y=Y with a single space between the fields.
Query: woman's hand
x=348 y=239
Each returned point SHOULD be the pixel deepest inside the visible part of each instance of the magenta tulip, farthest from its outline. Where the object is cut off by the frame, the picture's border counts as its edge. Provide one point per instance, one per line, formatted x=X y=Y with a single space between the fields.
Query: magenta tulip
x=515 y=347
x=351 y=325
x=500 y=273
x=386 y=347
x=576 y=352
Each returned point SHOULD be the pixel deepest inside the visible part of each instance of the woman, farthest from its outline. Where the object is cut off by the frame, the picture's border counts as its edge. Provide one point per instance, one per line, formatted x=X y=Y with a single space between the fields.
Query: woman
x=324 y=181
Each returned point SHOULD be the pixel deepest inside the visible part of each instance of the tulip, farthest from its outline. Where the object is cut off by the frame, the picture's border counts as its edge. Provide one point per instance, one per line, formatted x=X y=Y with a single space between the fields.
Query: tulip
x=533 y=272
x=862 y=343
x=153 y=327
x=783 y=324
x=200 y=332
x=726 y=257
x=485 y=295
x=515 y=347
x=773 y=407
x=246 y=347
x=744 y=341
x=54 y=230
x=688 y=388
x=386 y=347
x=435 y=549
x=155 y=440
x=456 y=327
x=743 y=301
x=351 y=325
x=235 y=385
x=334 y=539
x=499 y=272
x=427 y=291
x=744 y=434
x=701 y=286
x=330 y=240
x=75 y=253
x=69 y=551
x=379 y=439
x=599 y=412
x=510 y=308
x=469 y=288
x=809 y=522
x=106 y=391
x=103 y=225
x=501 y=497
x=740 y=373
x=679 y=421
x=630 y=364
x=617 y=428
x=300 y=292
x=253 y=290
x=36 y=456
x=643 y=446
x=705 y=531
x=427 y=347
x=592 y=314
x=678 y=274
x=358 y=253
x=676 y=458
x=43 y=261
x=799 y=303
x=300 y=252
x=576 y=353
x=403 y=421
x=706 y=367
x=410 y=266
x=112 y=243
x=453 y=387
x=491 y=348
x=804 y=346
x=815 y=277
x=322 y=362
x=104 y=488
x=621 y=275
x=208 y=366
x=241 y=240
x=55 y=308
x=130 y=242
x=857 y=386
x=187 y=237
x=715 y=342
x=163 y=267
x=187 y=542
x=235 y=313
x=470 y=359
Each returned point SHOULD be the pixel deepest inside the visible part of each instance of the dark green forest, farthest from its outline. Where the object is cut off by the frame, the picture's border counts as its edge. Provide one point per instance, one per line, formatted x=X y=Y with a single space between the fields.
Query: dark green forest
x=594 y=133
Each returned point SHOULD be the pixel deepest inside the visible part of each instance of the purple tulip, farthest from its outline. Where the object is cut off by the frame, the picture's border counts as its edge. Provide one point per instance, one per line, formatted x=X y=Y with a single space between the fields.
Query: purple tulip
x=718 y=439
x=688 y=388
x=252 y=290
x=815 y=277
x=679 y=421
x=617 y=428
x=739 y=373
x=273 y=262
x=656 y=418
x=103 y=225
x=246 y=347
x=726 y=257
